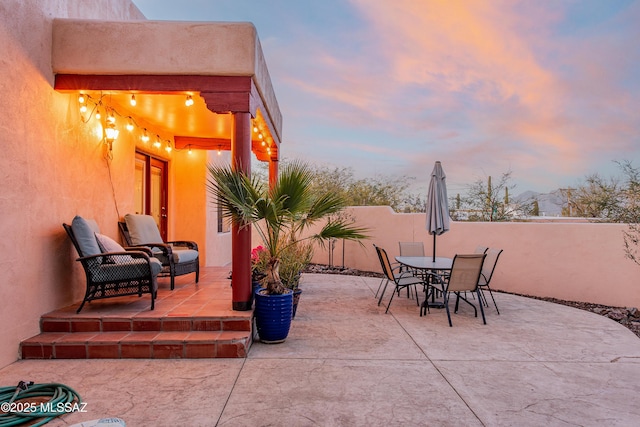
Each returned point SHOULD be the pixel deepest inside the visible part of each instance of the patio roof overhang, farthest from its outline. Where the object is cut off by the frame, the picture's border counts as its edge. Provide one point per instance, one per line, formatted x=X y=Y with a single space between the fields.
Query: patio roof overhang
x=220 y=65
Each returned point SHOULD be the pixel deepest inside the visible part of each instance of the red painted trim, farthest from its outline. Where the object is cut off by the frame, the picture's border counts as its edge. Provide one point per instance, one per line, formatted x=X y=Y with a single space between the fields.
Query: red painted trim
x=202 y=143
x=153 y=83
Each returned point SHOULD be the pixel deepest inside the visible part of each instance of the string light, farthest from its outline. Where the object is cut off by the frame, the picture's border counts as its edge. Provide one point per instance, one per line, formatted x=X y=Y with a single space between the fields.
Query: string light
x=189 y=101
x=109 y=130
x=133 y=100
x=82 y=101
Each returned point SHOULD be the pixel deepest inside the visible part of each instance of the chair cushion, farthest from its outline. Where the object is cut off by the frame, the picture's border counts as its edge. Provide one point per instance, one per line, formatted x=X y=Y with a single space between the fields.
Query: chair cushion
x=184 y=255
x=142 y=229
x=125 y=268
x=85 y=231
x=156 y=266
x=108 y=244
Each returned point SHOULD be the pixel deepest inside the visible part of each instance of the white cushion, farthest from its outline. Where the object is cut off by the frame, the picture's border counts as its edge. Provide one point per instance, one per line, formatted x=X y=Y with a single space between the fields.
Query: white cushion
x=142 y=229
x=108 y=244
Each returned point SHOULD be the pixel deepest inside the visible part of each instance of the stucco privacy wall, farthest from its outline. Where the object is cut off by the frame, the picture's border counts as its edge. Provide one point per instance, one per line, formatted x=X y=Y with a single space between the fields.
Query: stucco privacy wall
x=53 y=167
x=571 y=261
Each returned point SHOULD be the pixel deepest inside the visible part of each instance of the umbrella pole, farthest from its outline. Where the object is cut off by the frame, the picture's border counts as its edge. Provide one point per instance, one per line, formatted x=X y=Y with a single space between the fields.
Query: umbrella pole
x=434 y=247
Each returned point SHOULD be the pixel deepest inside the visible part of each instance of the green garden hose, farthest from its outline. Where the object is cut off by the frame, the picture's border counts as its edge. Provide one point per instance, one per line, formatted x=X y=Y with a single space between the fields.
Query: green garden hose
x=28 y=402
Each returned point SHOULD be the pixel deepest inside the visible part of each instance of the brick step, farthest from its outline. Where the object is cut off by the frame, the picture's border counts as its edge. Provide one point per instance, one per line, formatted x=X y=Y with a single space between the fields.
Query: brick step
x=137 y=344
x=56 y=323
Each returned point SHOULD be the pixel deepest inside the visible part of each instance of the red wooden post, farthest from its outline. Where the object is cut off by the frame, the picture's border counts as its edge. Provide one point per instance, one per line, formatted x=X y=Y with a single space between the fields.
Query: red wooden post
x=273 y=172
x=241 y=238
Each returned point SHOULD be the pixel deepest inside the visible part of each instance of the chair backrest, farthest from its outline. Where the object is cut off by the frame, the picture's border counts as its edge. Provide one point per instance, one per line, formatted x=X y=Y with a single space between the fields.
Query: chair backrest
x=384 y=262
x=72 y=236
x=465 y=272
x=83 y=235
x=142 y=229
x=124 y=232
x=481 y=250
x=411 y=248
x=489 y=265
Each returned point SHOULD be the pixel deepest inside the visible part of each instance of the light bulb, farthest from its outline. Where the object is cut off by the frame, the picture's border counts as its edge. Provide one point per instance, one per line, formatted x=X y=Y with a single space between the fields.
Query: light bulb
x=98 y=115
x=157 y=143
x=264 y=143
x=255 y=129
x=168 y=147
x=190 y=150
x=130 y=125
x=111 y=132
x=145 y=137
x=110 y=117
x=260 y=136
x=189 y=101
x=83 y=108
x=133 y=101
x=81 y=98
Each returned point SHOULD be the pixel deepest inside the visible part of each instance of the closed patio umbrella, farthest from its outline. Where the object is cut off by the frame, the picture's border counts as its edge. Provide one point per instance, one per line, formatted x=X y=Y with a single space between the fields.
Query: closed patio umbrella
x=437 y=205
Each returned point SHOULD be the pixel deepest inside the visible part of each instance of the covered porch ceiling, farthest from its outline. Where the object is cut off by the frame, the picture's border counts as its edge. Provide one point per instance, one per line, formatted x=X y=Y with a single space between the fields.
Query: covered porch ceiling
x=220 y=66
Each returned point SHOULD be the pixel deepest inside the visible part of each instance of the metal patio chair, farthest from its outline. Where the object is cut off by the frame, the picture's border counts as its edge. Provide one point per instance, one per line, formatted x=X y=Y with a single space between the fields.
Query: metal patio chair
x=401 y=280
x=489 y=266
x=464 y=276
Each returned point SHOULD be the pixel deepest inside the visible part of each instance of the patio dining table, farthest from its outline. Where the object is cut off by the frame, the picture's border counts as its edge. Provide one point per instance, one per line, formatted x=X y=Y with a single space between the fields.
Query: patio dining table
x=424 y=264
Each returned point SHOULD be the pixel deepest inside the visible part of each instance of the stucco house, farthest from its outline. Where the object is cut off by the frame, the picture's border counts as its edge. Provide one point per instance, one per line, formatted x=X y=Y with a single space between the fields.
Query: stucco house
x=179 y=94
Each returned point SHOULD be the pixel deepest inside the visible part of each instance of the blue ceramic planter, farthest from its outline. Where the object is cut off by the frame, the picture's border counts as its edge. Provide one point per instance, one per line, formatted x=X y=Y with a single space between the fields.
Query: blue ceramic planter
x=273 y=316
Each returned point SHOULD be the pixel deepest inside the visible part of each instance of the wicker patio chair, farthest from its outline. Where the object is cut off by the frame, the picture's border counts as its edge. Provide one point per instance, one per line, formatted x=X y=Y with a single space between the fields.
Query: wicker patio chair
x=111 y=271
x=178 y=257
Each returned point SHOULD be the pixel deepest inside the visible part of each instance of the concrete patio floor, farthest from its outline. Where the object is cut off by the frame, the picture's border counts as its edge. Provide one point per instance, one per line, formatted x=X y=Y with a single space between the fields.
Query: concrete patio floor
x=347 y=363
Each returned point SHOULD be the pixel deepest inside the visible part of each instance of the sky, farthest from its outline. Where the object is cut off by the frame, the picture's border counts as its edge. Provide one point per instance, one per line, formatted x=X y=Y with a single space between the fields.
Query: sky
x=546 y=89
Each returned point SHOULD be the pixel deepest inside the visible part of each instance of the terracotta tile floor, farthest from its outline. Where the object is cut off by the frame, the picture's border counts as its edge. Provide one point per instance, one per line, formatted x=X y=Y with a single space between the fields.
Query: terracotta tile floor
x=192 y=321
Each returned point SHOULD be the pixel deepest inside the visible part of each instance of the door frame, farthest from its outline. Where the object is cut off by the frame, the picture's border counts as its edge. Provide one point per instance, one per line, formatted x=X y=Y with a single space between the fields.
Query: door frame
x=151 y=162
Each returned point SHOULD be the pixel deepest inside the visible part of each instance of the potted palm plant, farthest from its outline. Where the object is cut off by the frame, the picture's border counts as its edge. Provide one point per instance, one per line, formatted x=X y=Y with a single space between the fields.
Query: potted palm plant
x=280 y=215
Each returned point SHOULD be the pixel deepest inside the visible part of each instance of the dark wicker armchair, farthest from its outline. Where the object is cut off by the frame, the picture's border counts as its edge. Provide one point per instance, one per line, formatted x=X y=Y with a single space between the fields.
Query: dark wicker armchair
x=113 y=273
x=177 y=257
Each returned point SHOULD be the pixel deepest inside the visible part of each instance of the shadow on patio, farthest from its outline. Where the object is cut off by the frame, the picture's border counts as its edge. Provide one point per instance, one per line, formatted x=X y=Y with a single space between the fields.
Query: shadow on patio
x=345 y=362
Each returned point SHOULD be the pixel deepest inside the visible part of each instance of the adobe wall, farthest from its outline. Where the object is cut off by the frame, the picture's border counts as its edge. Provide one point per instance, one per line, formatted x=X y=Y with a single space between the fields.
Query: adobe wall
x=53 y=167
x=578 y=262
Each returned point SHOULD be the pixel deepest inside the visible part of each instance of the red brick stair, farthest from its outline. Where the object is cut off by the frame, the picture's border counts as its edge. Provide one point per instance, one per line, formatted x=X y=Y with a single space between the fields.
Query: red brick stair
x=193 y=321
x=112 y=338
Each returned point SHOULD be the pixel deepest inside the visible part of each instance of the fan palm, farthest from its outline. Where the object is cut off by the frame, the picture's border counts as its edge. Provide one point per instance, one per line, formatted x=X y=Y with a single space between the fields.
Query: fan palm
x=280 y=215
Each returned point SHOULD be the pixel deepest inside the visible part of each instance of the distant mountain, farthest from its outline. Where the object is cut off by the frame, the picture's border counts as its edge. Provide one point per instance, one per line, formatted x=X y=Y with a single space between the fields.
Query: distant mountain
x=550 y=204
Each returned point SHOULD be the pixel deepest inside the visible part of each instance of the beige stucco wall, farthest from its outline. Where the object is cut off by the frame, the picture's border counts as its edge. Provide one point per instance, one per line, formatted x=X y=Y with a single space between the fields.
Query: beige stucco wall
x=165 y=47
x=571 y=261
x=53 y=167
